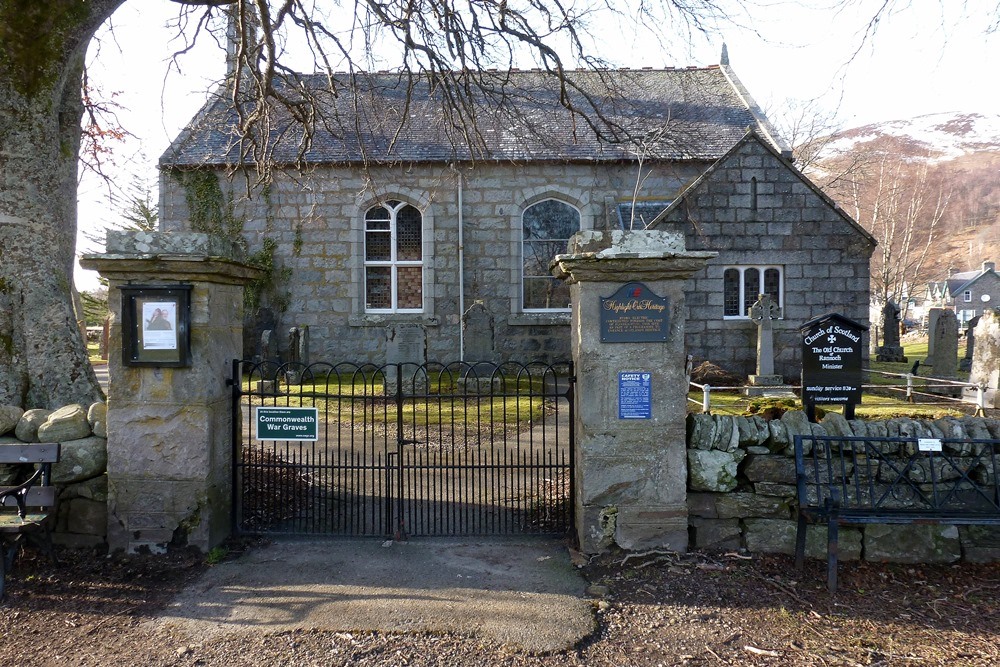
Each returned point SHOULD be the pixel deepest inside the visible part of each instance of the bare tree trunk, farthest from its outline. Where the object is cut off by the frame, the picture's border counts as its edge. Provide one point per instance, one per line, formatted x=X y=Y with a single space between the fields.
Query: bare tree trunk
x=43 y=357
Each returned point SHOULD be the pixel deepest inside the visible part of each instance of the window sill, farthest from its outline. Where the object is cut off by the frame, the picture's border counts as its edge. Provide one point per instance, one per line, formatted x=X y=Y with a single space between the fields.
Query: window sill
x=538 y=319
x=382 y=319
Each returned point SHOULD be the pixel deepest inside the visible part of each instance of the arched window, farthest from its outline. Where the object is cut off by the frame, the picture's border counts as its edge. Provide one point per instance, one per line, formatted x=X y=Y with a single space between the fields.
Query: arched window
x=545 y=230
x=394 y=273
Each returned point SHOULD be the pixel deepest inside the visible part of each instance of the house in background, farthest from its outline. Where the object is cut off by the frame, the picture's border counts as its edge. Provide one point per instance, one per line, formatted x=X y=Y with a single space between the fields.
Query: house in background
x=968 y=293
x=393 y=223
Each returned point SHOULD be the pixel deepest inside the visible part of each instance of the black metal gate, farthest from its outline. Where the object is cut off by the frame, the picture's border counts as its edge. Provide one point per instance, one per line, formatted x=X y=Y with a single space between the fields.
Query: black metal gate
x=404 y=449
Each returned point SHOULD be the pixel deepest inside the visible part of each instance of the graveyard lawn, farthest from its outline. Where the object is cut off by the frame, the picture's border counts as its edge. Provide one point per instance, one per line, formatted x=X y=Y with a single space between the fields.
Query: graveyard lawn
x=650 y=609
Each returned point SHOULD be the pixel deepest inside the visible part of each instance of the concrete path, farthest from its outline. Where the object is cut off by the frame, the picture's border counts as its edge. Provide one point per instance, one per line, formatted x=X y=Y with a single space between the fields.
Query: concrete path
x=520 y=592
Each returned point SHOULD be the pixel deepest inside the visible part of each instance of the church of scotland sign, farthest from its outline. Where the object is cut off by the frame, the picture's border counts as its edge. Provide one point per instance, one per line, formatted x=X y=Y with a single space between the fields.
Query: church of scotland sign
x=831 y=360
x=634 y=314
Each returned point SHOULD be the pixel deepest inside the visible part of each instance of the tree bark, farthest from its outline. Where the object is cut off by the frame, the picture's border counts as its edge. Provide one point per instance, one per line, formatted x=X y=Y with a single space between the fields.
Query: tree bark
x=43 y=357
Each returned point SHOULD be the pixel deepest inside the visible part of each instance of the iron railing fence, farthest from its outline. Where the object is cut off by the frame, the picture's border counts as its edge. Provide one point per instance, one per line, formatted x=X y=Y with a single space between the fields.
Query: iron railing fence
x=406 y=449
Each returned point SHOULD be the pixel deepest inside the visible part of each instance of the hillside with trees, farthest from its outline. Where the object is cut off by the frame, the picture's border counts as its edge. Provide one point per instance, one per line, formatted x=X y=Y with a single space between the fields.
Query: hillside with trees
x=928 y=189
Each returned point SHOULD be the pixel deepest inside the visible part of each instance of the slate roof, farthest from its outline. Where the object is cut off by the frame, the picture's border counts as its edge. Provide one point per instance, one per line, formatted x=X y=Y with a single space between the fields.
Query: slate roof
x=680 y=114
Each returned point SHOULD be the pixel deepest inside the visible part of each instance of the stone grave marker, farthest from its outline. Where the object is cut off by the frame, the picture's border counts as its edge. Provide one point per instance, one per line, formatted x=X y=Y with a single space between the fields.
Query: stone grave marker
x=986 y=359
x=944 y=359
x=405 y=346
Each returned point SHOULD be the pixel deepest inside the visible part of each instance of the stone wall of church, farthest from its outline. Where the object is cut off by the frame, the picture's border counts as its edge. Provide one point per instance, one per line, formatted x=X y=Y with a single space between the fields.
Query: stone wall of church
x=316 y=222
x=756 y=211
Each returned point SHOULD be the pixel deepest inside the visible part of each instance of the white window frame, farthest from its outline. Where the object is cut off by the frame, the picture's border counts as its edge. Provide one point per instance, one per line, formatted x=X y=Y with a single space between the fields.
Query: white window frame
x=967 y=295
x=393 y=206
x=761 y=268
x=579 y=226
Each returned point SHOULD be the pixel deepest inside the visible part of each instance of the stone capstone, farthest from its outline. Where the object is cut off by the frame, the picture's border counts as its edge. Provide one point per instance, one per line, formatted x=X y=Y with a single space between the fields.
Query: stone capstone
x=10 y=415
x=27 y=426
x=81 y=460
x=67 y=423
x=713 y=470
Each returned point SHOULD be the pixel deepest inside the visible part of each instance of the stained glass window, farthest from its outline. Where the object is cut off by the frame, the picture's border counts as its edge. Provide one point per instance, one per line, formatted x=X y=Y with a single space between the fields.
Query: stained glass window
x=394 y=258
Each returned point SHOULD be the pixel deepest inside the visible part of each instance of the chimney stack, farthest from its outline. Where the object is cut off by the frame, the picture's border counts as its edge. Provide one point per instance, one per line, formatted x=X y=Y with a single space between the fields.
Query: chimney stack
x=989 y=266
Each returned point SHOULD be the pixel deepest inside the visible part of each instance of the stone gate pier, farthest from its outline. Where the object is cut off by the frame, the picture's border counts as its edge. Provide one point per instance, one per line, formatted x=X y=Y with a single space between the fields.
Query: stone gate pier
x=169 y=426
x=627 y=329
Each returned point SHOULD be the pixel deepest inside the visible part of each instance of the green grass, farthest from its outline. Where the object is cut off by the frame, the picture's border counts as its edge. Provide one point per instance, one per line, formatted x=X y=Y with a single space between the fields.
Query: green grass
x=349 y=397
x=875 y=404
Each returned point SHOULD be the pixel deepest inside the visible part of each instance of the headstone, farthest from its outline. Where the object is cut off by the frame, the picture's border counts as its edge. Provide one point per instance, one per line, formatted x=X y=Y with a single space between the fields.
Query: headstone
x=268 y=371
x=890 y=350
x=293 y=345
x=970 y=345
x=405 y=348
x=762 y=313
x=304 y=345
x=945 y=357
x=265 y=345
x=986 y=359
x=932 y=317
x=293 y=367
x=477 y=325
x=479 y=356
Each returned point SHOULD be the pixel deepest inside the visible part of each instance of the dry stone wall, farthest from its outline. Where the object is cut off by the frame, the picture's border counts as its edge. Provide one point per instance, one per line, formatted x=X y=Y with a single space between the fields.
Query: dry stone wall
x=80 y=474
x=742 y=494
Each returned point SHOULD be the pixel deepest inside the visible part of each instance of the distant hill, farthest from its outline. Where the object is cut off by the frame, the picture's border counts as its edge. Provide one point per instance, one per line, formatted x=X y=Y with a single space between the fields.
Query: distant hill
x=961 y=153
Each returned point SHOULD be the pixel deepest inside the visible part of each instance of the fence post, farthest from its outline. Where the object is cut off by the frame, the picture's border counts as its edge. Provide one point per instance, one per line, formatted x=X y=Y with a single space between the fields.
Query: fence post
x=706 y=399
x=980 y=400
x=909 y=387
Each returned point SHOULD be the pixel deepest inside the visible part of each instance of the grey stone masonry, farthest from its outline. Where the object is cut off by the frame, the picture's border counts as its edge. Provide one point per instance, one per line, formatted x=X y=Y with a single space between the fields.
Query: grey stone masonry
x=757 y=210
x=750 y=502
x=169 y=429
x=631 y=469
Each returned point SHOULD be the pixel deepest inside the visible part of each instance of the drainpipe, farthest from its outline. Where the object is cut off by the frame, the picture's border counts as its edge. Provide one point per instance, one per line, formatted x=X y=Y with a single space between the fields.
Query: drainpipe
x=461 y=264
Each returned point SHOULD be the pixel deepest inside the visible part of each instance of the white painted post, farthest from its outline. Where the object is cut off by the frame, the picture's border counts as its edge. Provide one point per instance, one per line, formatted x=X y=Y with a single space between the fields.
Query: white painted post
x=706 y=399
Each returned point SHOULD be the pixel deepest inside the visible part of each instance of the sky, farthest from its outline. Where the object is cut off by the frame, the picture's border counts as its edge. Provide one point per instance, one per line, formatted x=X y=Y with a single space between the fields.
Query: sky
x=932 y=56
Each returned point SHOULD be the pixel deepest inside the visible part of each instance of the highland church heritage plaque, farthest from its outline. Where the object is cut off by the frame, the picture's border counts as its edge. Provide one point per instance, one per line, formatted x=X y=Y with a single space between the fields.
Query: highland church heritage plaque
x=634 y=314
x=831 y=362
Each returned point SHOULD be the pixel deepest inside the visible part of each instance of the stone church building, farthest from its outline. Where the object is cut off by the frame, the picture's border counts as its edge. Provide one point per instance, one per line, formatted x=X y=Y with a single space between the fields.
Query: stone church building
x=377 y=222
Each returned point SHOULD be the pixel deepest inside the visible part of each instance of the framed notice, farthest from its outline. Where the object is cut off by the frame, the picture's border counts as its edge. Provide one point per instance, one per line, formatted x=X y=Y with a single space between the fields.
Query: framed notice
x=156 y=325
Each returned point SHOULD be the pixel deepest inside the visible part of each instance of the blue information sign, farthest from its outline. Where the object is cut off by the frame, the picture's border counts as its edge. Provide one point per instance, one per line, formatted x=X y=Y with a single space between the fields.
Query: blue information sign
x=635 y=395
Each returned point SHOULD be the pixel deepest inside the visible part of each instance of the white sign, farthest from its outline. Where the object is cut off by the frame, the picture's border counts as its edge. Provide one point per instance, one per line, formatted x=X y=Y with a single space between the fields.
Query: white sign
x=929 y=444
x=159 y=325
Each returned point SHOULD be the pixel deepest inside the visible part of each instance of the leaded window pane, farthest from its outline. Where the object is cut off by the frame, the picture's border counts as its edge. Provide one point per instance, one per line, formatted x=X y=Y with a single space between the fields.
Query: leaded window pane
x=772 y=284
x=410 y=287
x=751 y=288
x=377 y=213
x=378 y=287
x=408 y=234
x=378 y=247
x=731 y=292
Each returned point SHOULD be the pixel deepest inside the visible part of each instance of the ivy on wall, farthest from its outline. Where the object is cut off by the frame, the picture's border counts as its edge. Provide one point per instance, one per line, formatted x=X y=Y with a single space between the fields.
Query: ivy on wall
x=212 y=211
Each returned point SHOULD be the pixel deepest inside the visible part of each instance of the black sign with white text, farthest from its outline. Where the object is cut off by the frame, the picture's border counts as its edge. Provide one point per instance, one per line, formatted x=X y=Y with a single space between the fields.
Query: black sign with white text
x=831 y=360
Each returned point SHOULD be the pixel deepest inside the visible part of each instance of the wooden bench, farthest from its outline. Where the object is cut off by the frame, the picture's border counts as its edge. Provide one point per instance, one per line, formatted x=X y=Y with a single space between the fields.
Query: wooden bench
x=855 y=480
x=27 y=508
